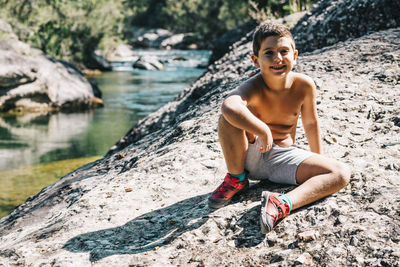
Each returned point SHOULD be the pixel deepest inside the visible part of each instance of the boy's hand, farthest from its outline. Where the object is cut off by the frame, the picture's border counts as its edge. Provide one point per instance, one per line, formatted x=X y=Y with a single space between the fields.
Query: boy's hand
x=266 y=142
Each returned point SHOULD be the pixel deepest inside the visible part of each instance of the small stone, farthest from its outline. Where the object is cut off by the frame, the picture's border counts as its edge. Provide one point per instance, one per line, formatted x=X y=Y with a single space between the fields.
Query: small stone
x=354 y=241
x=345 y=154
x=360 y=259
x=171 y=222
x=120 y=156
x=128 y=189
x=308 y=235
x=392 y=167
x=217 y=240
x=305 y=259
x=232 y=244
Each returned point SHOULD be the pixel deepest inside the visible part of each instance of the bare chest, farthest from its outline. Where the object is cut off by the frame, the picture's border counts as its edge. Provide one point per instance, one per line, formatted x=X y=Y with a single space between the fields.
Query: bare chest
x=282 y=109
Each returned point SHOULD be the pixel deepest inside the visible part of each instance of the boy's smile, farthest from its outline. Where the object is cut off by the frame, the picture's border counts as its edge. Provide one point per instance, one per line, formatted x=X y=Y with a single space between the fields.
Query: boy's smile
x=276 y=56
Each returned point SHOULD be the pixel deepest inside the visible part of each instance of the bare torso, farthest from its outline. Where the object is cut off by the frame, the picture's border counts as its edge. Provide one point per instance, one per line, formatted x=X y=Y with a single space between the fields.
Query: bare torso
x=278 y=109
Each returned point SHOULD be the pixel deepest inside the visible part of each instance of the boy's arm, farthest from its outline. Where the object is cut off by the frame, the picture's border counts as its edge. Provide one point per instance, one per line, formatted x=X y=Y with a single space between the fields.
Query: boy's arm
x=235 y=111
x=309 y=117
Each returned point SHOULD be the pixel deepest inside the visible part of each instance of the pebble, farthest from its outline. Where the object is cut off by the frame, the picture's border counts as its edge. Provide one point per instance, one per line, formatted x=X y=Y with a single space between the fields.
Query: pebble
x=308 y=235
x=305 y=259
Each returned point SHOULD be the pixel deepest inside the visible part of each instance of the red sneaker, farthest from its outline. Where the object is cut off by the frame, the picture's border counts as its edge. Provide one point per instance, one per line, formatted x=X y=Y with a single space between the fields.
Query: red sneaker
x=272 y=210
x=224 y=193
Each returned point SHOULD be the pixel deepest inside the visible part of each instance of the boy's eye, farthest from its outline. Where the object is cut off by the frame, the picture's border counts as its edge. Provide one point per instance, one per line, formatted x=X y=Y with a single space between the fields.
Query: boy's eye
x=284 y=52
x=269 y=53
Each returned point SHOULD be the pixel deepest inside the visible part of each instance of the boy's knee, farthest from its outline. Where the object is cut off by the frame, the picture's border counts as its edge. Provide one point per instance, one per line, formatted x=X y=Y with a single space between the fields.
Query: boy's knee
x=343 y=174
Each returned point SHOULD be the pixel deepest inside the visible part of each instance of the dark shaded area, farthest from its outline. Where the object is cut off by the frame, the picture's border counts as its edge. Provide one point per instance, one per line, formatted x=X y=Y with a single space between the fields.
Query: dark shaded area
x=222 y=45
x=161 y=227
x=333 y=21
x=150 y=230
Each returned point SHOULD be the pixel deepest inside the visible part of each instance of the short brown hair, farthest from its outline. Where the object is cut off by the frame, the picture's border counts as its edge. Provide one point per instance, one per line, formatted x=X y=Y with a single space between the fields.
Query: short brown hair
x=266 y=30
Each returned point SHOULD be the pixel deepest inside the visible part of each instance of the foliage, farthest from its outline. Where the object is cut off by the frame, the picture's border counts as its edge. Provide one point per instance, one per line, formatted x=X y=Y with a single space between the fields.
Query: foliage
x=64 y=29
x=210 y=18
x=72 y=29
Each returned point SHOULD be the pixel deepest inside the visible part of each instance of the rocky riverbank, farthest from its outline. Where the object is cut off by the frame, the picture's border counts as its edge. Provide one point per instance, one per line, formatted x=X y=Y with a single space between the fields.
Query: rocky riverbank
x=32 y=82
x=145 y=202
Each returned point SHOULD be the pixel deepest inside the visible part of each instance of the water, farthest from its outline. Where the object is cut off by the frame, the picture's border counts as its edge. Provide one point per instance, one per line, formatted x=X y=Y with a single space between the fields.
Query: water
x=30 y=140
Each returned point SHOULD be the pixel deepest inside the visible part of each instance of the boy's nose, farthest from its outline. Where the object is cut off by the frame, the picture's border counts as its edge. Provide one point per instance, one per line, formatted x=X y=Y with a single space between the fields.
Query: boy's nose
x=278 y=57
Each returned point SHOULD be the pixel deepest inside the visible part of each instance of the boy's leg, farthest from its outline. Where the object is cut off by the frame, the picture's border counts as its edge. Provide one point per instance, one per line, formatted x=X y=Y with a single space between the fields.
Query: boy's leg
x=234 y=147
x=318 y=177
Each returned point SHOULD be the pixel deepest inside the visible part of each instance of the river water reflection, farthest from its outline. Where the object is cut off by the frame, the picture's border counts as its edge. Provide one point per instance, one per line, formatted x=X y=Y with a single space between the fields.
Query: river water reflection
x=128 y=95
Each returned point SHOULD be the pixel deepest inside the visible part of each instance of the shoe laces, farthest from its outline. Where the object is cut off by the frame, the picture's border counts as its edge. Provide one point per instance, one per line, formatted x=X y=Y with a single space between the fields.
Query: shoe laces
x=280 y=207
x=223 y=188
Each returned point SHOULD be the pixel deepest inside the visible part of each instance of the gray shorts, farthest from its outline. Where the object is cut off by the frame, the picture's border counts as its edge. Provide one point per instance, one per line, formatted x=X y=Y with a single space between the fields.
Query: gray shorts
x=278 y=165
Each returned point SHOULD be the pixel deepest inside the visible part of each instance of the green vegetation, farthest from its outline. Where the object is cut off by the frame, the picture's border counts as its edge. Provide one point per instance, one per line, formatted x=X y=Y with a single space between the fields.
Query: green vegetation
x=65 y=29
x=30 y=180
x=72 y=29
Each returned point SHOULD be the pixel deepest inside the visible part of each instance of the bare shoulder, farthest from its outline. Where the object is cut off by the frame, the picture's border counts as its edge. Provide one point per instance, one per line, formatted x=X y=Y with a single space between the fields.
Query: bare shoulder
x=303 y=82
x=250 y=89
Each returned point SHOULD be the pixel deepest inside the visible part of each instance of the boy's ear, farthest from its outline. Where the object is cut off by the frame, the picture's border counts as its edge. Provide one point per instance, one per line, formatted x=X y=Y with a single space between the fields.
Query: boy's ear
x=295 y=54
x=254 y=58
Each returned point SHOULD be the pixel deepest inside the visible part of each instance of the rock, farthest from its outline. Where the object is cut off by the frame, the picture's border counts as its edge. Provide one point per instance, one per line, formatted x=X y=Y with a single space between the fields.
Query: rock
x=182 y=41
x=98 y=61
x=179 y=58
x=122 y=52
x=149 y=38
x=305 y=259
x=26 y=83
x=330 y=22
x=73 y=222
x=308 y=235
x=148 y=63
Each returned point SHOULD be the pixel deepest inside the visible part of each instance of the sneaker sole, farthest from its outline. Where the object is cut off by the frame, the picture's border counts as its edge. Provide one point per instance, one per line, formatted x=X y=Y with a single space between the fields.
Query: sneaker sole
x=265 y=228
x=219 y=204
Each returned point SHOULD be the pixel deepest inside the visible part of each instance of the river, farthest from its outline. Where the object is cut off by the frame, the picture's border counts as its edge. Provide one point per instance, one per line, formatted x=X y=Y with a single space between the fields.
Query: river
x=37 y=149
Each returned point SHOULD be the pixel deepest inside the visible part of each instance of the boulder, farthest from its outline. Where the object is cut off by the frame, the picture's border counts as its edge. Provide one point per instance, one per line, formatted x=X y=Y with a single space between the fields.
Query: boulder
x=31 y=81
x=182 y=41
x=98 y=61
x=332 y=21
x=149 y=38
x=148 y=63
x=164 y=39
x=122 y=52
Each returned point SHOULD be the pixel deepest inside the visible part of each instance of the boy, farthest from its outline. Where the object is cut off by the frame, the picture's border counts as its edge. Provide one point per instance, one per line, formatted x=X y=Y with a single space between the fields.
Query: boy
x=257 y=131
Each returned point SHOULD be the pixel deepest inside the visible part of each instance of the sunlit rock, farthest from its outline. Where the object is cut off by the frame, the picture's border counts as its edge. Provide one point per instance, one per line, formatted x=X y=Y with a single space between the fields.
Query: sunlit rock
x=31 y=81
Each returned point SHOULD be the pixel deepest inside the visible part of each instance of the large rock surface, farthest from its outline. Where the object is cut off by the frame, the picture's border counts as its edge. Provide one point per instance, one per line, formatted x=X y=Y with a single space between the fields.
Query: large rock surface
x=30 y=81
x=332 y=21
x=145 y=203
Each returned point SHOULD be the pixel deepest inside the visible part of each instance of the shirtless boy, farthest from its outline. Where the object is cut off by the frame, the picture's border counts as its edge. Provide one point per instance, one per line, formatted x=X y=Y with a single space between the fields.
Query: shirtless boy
x=257 y=131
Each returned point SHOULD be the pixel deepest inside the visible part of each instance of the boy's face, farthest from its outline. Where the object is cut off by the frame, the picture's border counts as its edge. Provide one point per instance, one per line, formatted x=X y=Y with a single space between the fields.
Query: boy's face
x=276 y=56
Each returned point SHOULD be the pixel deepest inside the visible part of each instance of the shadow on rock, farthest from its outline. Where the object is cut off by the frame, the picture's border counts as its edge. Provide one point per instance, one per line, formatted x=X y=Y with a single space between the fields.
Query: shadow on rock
x=251 y=234
x=144 y=233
